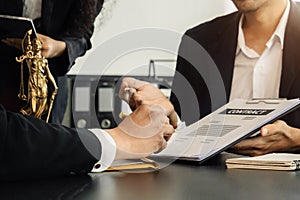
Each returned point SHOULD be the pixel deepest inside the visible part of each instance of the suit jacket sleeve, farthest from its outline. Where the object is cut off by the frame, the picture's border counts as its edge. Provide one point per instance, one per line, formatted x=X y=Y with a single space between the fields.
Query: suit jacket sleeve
x=190 y=95
x=204 y=67
x=31 y=148
x=75 y=47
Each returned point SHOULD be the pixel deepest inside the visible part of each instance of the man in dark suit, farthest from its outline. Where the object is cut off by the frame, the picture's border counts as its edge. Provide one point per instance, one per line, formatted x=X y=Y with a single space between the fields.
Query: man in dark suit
x=32 y=148
x=210 y=81
x=65 y=28
x=251 y=53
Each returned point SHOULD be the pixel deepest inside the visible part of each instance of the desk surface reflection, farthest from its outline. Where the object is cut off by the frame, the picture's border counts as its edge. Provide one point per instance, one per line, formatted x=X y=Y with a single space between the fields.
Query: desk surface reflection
x=178 y=181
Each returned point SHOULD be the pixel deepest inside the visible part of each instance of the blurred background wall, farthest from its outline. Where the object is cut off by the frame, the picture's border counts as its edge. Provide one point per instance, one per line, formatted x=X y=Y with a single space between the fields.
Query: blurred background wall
x=121 y=16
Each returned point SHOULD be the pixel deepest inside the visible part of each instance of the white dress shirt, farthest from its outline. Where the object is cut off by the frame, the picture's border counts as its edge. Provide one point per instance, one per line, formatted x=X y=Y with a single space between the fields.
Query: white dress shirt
x=258 y=76
x=108 y=152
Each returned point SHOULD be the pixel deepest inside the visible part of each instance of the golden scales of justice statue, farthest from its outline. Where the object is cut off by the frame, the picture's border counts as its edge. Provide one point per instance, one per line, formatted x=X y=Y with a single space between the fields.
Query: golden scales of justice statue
x=39 y=75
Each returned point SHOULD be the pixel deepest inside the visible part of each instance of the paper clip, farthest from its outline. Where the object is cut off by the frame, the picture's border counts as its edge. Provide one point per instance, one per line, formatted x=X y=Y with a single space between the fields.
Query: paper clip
x=265 y=100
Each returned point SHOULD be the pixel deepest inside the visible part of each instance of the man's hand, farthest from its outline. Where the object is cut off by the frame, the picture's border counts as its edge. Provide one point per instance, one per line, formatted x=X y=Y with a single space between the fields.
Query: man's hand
x=136 y=93
x=276 y=137
x=142 y=132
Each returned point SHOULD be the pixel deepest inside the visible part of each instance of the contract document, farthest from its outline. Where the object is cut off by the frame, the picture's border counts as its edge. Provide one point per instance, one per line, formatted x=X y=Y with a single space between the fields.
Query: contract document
x=225 y=127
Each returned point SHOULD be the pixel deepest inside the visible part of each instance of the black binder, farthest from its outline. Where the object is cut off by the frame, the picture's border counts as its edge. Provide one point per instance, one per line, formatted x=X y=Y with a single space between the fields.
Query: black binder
x=15 y=27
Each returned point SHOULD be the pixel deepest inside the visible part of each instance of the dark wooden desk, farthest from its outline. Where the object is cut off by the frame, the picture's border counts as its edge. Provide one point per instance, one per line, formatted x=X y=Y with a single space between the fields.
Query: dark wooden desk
x=176 y=182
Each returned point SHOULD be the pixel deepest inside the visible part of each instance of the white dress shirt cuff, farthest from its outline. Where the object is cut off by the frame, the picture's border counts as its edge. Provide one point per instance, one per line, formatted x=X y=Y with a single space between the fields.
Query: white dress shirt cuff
x=108 y=152
x=180 y=124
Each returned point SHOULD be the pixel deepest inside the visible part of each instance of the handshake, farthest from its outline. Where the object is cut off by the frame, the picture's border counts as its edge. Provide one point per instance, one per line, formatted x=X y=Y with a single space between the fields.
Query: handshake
x=147 y=129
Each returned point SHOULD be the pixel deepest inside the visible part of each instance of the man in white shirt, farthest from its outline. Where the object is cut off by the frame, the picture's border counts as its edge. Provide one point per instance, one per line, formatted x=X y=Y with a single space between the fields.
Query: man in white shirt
x=263 y=33
x=251 y=53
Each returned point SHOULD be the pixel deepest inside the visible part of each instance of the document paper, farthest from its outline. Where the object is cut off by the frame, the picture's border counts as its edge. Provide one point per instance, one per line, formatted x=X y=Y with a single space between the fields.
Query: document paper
x=225 y=127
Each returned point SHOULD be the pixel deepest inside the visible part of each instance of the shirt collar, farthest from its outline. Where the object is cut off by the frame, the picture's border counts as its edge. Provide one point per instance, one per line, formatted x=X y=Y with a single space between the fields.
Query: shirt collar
x=279 y=32
x=241 y=45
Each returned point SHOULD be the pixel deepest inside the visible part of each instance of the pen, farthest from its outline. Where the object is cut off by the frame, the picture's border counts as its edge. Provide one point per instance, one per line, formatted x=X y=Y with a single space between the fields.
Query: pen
x=123 y=115
x=129 y=92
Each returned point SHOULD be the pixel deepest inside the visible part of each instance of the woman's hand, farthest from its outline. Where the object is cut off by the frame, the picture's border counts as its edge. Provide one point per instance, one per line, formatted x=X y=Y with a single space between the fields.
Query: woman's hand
x=51 y=48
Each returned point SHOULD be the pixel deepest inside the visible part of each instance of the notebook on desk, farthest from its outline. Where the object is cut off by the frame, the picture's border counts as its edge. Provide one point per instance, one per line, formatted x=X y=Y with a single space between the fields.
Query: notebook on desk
x=225 y=127
x=272 y=161
x=141 y=165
